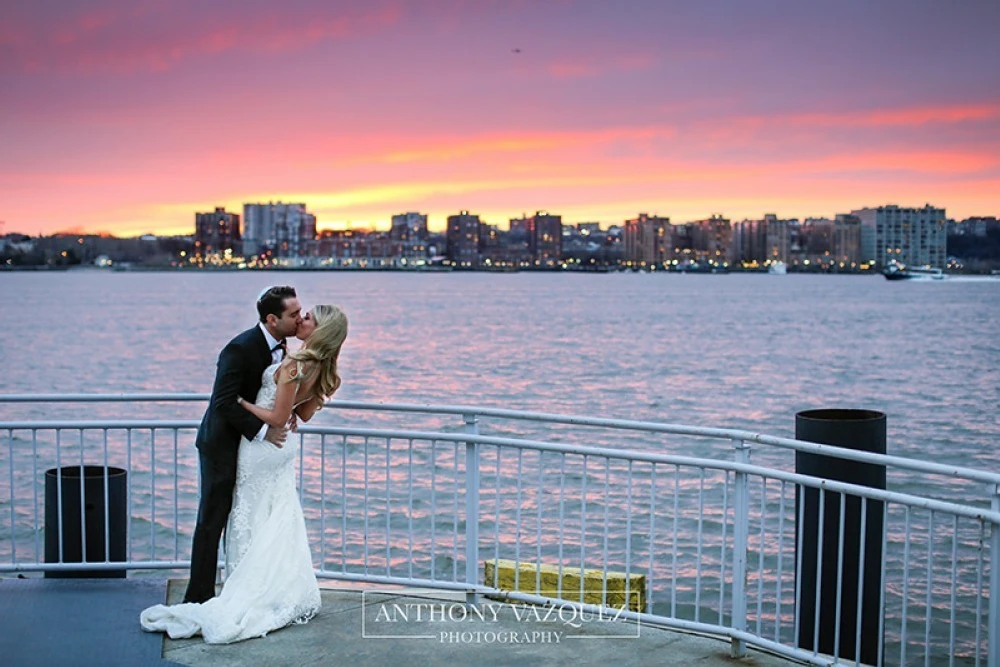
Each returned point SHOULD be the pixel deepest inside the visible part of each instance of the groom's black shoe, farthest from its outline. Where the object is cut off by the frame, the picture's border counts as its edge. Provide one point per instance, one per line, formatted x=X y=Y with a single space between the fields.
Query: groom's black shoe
x=199 y=593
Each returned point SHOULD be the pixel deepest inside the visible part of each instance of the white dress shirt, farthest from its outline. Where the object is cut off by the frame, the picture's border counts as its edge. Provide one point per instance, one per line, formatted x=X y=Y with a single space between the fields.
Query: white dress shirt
x=276 y=357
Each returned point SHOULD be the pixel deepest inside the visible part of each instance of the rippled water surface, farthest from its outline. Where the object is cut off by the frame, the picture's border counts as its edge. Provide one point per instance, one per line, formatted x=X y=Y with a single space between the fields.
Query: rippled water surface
x=737 y=351
x=742 y=351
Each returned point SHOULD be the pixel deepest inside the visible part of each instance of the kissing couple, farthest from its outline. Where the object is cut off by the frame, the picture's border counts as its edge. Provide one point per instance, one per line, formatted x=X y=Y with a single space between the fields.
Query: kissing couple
x=248 y=477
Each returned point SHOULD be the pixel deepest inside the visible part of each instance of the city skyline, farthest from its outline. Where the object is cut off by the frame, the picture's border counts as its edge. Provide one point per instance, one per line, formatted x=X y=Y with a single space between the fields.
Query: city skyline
x=126 y=119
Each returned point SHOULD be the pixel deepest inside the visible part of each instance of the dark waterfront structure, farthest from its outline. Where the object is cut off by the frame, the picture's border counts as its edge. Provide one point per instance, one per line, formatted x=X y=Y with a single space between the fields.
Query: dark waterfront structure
x=545 y=240
x=463 y=240
x=217 y=233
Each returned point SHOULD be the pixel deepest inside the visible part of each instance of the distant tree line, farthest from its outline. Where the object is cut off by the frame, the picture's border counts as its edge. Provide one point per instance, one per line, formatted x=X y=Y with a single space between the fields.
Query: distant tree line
x=976 y=248
x=64 y=250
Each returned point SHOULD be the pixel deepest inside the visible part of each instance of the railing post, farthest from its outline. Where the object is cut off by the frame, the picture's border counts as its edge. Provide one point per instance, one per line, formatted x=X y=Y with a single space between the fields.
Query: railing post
x=471 y=509
x=741 y=519
x=993 y=654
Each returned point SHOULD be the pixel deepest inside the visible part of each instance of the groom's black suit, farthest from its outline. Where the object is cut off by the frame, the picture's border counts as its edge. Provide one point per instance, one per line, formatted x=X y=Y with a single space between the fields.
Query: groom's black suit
x=238 y=373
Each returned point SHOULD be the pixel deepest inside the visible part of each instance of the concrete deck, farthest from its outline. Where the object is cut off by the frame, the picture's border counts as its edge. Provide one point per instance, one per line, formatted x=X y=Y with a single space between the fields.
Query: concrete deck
x=351 y=627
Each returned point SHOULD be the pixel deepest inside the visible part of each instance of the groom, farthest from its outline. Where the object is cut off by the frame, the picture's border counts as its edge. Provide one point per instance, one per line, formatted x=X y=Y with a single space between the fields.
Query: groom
x=238 y=373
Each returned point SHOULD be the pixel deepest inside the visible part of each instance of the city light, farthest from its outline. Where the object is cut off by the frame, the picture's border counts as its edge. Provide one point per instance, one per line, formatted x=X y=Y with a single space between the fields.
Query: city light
x=539 y=242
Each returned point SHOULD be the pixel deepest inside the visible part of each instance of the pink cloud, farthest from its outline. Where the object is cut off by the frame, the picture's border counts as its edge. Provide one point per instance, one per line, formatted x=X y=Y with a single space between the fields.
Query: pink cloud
x=757 y=136
x=445 y=147
x=901 y=117
x=372 y=106
x=588 y=66
x=898 y=117
x=937 y=162
x=157 y=36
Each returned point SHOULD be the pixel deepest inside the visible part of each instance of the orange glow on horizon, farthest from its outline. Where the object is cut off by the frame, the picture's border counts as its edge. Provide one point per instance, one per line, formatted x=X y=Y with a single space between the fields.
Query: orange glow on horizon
x=583 y=175
x=132 y=118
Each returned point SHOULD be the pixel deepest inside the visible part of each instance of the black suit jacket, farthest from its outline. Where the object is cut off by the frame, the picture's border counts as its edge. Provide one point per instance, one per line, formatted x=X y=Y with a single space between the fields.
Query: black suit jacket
x=238 y=373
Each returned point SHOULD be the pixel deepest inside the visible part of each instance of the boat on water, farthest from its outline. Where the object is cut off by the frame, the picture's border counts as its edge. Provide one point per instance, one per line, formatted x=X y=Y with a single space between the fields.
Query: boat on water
x=897 y=271
x=778 y=268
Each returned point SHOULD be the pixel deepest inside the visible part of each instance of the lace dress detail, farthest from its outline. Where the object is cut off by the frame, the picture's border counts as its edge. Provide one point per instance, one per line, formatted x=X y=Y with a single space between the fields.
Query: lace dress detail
x=269 y=581
x=250 y=486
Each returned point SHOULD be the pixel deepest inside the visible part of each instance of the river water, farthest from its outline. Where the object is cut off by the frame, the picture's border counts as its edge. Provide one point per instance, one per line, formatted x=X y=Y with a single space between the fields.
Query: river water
x=735 y=351
x=739 y=351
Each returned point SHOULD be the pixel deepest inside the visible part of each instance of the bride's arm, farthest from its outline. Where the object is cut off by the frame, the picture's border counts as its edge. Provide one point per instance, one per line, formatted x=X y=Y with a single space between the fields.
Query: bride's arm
x=289 y=382
x=309 y=408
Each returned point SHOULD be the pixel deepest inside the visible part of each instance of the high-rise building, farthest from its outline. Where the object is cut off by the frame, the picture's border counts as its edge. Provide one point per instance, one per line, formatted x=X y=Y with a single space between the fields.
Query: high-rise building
x=912 y=236
x=847 y=241
x=545 y=240
x=979 y=226
x=307 y=236
x=520 y=226
x=775 y=239
x=217 y=232
x=489 y=236
x=285 y=230
x=711 y=239
x=760 y=241
x=463 y=240
x=742 y=249
x=409 y=231
x=409 y=227
x=816 y=240
x=495 y=253
x=516 y=243
x=648 y=241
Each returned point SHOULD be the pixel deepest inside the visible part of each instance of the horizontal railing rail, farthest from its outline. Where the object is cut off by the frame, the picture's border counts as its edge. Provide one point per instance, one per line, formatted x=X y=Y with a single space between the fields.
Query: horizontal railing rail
x=515 y=443
x=901 y=463
x=716 y=542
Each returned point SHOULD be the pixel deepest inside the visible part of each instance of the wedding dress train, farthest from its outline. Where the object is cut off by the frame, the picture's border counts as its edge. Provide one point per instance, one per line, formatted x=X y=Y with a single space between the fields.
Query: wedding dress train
x=270 y=581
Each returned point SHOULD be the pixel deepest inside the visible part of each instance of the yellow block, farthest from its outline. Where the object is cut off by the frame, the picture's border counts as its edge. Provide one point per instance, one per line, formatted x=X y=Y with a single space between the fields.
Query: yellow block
x=542 y=579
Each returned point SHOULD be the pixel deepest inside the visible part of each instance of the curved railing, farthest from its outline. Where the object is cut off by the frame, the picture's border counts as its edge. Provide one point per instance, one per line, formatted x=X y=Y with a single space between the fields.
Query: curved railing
x=697 y=543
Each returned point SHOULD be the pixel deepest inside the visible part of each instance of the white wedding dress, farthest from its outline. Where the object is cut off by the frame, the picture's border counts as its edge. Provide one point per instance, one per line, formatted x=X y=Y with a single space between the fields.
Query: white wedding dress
x=270 y=581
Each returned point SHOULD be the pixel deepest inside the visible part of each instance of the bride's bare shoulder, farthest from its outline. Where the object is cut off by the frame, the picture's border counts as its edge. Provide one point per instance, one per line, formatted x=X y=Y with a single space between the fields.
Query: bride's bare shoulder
x=288 y=371
x=292 y=370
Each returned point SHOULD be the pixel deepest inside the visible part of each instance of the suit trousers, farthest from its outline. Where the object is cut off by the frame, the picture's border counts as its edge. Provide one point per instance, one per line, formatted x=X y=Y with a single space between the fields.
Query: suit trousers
x=218 y=479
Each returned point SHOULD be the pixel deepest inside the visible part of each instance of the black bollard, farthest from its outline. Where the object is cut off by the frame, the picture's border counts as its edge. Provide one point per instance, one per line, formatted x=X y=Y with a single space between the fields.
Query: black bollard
x=92 y=526
x=862 y=430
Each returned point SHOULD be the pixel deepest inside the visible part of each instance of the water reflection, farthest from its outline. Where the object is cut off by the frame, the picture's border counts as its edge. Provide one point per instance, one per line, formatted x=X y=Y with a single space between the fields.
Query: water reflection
x=746 y=353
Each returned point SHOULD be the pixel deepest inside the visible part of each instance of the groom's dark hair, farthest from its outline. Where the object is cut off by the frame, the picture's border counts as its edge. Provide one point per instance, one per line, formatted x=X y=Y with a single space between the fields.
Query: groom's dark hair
x=272 y=301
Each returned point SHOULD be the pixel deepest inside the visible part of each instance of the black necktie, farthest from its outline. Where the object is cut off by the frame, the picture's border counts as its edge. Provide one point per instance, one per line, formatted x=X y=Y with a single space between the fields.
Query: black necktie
x=280 y=346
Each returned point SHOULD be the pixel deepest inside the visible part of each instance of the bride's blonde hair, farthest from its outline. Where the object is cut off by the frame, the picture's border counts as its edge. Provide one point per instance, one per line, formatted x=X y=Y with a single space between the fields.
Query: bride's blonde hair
x=323 y=347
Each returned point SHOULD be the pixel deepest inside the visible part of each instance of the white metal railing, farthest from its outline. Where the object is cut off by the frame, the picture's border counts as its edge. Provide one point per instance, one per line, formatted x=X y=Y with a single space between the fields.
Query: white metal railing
x=716 y=539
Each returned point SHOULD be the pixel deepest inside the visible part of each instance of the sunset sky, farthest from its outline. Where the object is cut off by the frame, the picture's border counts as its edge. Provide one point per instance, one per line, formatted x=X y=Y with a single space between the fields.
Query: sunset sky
x=128 y=116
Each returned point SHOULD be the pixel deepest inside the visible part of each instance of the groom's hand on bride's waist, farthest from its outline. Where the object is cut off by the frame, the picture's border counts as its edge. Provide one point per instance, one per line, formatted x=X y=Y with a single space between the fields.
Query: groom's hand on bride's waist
x=276 y=436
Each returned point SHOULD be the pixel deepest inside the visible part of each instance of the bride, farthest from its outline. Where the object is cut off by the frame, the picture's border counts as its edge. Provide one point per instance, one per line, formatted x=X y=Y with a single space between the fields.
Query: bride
x=270 y=581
